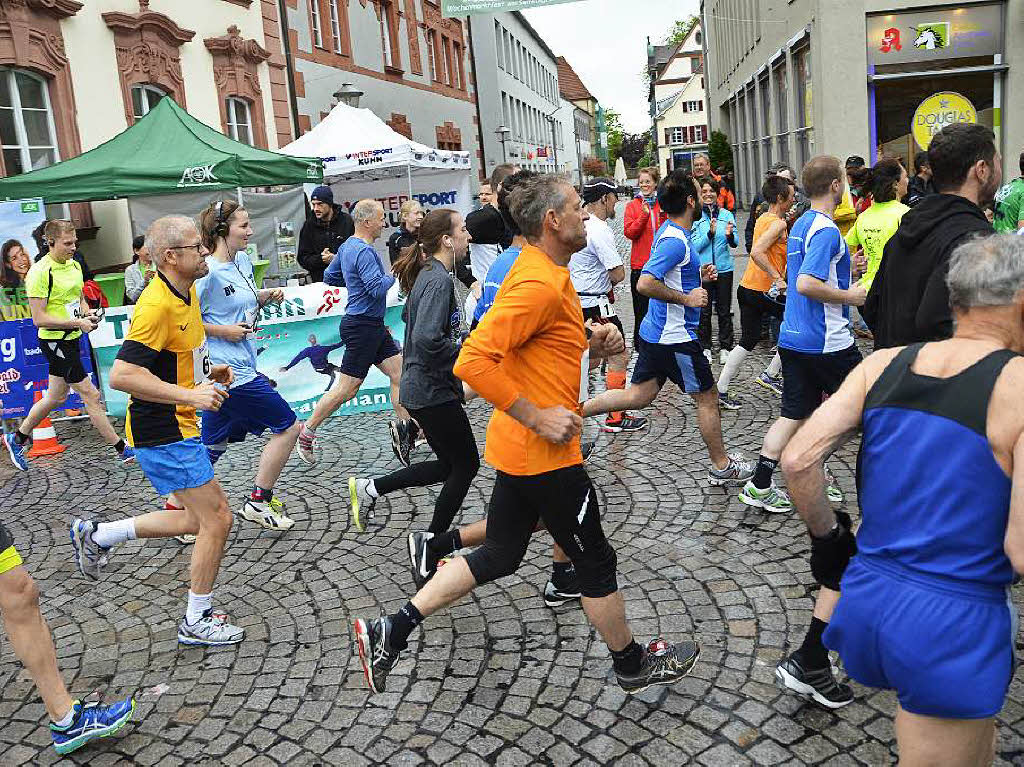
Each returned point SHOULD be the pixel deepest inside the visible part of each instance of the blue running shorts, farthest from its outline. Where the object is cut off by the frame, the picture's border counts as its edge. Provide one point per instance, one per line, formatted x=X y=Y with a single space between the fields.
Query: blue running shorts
x=683 y=364
x=944 y=646
x=368 y=342
x=251 y=408
x=177 y=466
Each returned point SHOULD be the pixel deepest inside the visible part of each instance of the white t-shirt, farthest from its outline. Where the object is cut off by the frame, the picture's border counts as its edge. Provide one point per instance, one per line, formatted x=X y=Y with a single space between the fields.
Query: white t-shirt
x=480 y=259
x=589 y=267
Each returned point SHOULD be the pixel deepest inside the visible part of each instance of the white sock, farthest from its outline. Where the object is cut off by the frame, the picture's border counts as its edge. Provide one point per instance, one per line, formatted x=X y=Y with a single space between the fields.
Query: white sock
x=732 y=364
x=774 y=366
x=109 y=534
x=197 y=605
x=371 y=489
x=67 y=720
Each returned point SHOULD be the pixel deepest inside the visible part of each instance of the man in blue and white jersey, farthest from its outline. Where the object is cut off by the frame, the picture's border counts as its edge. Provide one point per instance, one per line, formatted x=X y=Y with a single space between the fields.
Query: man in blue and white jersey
x=818 y=352
x=667 y=347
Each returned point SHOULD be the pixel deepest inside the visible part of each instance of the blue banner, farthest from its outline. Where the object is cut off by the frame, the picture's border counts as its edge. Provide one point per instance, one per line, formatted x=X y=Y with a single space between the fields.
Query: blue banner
x=24 y=371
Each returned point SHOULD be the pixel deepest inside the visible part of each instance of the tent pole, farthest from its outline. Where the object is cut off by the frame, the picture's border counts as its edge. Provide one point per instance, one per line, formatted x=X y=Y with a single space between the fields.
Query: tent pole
x=408 y=175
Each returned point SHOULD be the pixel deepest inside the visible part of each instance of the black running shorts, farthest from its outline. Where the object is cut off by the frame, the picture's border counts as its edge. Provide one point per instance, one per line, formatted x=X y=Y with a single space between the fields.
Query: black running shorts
x=65 y=358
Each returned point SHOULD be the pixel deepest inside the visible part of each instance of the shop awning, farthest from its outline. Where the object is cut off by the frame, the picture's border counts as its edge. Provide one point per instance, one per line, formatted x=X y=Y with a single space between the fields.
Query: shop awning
x=166 y=152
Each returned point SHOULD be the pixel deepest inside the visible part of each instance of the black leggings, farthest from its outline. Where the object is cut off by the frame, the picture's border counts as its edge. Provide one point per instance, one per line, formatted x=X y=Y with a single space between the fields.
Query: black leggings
x=754 y=307
x=720 y=300
x=449 y=434
x=566 y=502
x=640 y=304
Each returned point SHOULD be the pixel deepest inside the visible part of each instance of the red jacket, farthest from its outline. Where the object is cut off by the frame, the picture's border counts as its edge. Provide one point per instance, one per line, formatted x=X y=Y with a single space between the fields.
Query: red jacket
x=640 y=226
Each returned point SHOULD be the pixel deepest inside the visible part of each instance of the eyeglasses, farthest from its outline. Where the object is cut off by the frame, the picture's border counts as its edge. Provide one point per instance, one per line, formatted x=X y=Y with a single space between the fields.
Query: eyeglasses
x=197 y=247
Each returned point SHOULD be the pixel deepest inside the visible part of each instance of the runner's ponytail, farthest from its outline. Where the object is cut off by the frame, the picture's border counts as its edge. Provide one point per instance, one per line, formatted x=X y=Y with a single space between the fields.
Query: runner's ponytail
x=436 y=225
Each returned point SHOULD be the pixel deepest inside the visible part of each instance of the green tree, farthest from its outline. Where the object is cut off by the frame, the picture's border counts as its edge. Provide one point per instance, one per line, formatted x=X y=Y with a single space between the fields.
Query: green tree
x=680 y=30
x=719 y=151
x=613 y=124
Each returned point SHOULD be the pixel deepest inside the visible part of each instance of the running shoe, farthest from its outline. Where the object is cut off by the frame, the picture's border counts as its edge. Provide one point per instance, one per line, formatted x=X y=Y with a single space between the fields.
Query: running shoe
x=725 y=402
x=723 y=356
x=707 y=354
x=402 y=438
x=211 y=630
x=555 y=596
x=663 y=663
x=185 y=538
x=91 y=722
x=771 y=383
x=127 y=455
x=818 y=684
x=587 y=448
x=17 y=452
x=832 y=490
x=361 y=502
x=770 y=499
x=421 y=559
x=738 y=471
x=626 y=423
x=305 y=445
x=89 y=555
x=375 y=651
x=267 y=514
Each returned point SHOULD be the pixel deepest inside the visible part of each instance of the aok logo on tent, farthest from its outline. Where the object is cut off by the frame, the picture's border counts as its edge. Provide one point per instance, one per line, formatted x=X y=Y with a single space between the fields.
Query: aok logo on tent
x=198 y=175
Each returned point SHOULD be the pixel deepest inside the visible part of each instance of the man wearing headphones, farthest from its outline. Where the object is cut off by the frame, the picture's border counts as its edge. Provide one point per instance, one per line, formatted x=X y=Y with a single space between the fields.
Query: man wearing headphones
x=61 y=314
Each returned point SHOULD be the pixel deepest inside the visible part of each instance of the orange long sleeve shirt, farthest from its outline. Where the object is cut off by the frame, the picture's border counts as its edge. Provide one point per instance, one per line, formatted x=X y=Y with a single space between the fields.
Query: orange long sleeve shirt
x=530 y=344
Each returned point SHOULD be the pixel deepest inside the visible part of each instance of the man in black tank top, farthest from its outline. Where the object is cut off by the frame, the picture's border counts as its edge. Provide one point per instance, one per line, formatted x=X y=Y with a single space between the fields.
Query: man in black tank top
x=925 y=607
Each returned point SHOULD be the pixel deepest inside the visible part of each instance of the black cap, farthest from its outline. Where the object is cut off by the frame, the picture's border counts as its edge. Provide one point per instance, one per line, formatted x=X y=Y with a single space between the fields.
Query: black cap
x=597 y=188
x=855 y=161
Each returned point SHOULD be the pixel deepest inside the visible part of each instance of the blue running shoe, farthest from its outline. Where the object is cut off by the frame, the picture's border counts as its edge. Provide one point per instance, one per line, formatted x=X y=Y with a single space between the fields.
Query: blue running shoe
x=128 y=454
x=17 y=452
x=89 y=555
x=91 y=722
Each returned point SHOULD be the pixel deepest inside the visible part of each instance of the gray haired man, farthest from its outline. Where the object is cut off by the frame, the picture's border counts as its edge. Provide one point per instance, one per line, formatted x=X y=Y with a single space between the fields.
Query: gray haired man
x=925 y=607
x=367 y=340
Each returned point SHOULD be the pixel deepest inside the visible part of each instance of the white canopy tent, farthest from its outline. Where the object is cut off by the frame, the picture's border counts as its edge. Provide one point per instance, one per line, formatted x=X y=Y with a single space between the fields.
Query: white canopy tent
x=356 y=143
x=365 y=158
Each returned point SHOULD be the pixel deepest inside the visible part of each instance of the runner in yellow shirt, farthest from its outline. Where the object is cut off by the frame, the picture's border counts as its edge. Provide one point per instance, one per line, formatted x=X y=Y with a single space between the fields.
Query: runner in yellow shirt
x=878 y=223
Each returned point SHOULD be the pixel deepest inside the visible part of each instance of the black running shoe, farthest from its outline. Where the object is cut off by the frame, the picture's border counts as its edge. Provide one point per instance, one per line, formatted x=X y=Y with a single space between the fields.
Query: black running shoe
x=421 y=558
x=559 y=595
x=818 y=684
x=586 y=448
x=663 y=663
x=401 y=440
x=377 y=657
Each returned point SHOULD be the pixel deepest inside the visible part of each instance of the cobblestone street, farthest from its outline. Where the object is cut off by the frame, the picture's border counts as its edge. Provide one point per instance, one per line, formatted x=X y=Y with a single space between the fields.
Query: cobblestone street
x=498 y=680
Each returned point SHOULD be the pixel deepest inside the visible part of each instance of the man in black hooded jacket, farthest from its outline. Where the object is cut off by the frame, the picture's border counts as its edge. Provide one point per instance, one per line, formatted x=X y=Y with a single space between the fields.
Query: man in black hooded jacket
x=323 y=233
x=909 y=300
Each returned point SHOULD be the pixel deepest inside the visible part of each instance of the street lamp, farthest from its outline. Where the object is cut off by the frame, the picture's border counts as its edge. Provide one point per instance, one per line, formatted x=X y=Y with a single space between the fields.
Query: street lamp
x=503 y=133
x=348 y=95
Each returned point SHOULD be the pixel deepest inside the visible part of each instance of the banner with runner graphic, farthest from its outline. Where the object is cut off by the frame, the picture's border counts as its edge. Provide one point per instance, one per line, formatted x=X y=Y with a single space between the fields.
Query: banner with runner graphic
x=297 y=347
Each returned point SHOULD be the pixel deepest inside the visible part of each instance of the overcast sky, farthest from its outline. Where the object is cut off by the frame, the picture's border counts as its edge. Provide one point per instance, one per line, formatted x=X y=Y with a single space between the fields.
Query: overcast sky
x=606 y=43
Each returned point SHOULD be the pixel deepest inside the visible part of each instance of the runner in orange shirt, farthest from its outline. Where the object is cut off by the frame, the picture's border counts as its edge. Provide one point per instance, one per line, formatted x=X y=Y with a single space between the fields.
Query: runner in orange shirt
x=530 y=357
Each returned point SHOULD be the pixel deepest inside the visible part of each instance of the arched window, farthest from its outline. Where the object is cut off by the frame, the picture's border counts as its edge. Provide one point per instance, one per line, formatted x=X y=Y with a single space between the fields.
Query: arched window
x=144 y=98
x=27 y=131
x=239 y=120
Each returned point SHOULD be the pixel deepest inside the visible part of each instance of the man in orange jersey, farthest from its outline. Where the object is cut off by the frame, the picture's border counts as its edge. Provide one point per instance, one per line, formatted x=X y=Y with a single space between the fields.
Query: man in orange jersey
x=530 y=357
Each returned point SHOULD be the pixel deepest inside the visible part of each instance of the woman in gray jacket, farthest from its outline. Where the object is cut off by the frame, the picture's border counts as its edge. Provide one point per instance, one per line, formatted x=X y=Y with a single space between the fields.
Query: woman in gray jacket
x=430 y=390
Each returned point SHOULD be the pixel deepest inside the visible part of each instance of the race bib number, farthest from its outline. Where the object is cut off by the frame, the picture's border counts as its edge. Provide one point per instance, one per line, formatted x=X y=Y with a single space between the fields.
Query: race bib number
x=585 y=375
x=605 y=307
x=74 y=310
x=201 y=365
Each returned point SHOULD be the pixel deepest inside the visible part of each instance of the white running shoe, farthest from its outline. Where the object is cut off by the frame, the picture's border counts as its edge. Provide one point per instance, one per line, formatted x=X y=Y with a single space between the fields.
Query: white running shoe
x=306 y=445
x=89 y=555
x=723 y=356
x=186 y=539
x=832 y=489
x=361 y=503
x=771 y=499
x=210 y=630
x=268 y=514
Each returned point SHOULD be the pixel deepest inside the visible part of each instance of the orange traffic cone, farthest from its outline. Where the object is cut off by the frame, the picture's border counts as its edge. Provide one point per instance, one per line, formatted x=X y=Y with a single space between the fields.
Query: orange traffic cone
x=44 y=437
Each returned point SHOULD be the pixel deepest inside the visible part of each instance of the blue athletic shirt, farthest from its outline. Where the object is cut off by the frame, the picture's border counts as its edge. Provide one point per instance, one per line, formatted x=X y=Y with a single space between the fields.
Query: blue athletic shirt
x=227 y=296
x=673 y=262
x=365 y=278
x=816 y=247
x=495 y=276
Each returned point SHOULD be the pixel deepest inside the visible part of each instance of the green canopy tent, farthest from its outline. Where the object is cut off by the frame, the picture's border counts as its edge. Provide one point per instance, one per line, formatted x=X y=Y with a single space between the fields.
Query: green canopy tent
x=166 y=152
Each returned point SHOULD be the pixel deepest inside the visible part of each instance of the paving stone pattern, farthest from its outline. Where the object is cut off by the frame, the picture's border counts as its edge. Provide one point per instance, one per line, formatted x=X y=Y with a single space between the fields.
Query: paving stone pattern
x=499 y=679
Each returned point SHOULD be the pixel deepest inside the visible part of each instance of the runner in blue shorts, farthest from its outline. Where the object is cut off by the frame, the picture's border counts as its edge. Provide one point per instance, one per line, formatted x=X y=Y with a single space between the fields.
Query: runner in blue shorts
x=230 y=303
x=165 y=367
x=667 y=345
x=925 y=607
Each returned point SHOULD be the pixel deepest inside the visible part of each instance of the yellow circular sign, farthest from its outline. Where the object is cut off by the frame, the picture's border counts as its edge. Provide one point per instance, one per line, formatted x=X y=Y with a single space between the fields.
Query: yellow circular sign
x=939 y=110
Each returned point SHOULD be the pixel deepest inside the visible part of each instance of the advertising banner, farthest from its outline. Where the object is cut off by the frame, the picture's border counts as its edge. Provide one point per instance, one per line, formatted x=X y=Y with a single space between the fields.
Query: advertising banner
x=440 y=189
x=939 y=110
x=23 y=369
x=451 y=8
x=297 y=346
x=938 y=33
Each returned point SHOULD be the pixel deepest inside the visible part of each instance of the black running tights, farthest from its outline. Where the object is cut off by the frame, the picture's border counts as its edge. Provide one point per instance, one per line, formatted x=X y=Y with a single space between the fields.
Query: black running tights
x=457 y=461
